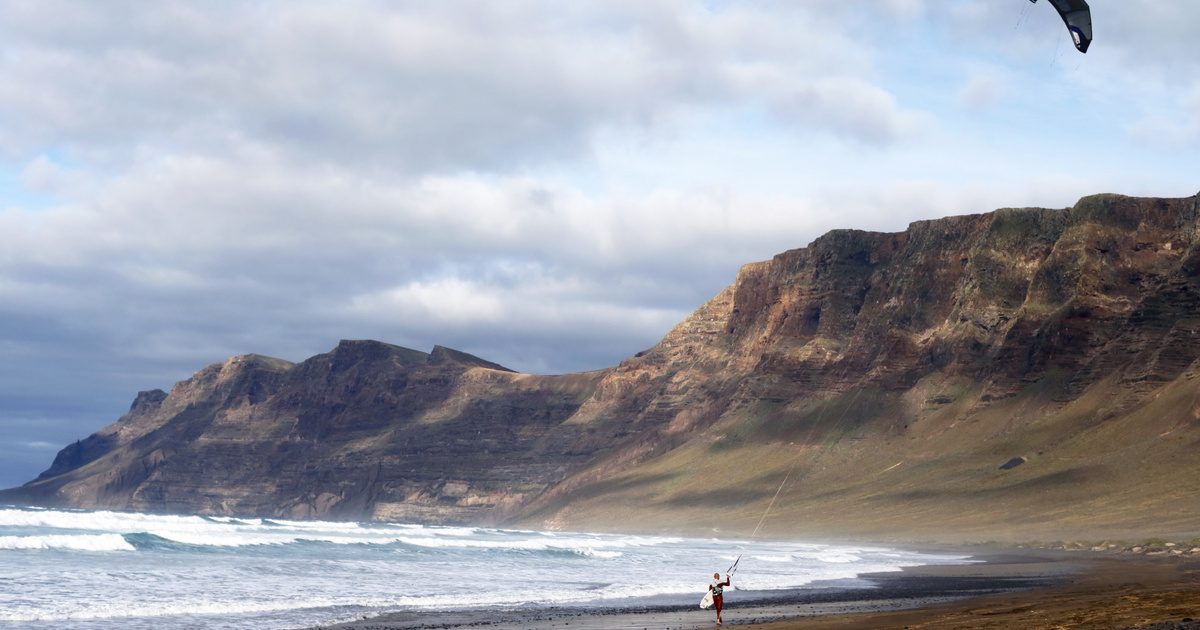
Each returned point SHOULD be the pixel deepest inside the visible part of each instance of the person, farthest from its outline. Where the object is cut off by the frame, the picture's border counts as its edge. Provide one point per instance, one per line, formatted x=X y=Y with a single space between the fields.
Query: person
x=718 y=591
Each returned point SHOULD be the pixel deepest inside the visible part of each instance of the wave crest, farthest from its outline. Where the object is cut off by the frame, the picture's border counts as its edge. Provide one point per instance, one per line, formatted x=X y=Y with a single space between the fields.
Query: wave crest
x=76 y=542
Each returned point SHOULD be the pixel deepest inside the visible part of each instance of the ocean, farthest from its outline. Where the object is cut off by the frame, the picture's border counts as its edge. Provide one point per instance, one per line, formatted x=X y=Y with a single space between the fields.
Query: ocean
x=77 y=569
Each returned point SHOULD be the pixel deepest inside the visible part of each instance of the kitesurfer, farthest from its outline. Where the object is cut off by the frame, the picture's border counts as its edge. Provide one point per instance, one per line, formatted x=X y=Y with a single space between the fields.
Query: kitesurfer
x=1077 y=15
x=718 y=590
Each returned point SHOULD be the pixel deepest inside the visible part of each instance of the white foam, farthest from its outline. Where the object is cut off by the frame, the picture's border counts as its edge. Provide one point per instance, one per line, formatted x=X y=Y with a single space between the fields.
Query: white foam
x=593 y=548
x=594 y=553
x=99 y=610
x=114 y=522
x=833 y=556
x=129 y=522
x=223 y=531
x=252 y=539
x=80 y=542
x=205 y=531
x=232 y=532
x=184 y=607
x=776 y=558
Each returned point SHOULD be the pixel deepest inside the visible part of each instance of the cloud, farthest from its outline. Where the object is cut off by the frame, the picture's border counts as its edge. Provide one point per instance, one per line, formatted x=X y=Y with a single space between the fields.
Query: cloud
x=1151 y=39
x=194 y=244
x=410 y=87
x=853 y=107
x=908 y=9
x=985 y=88
x=449 y=301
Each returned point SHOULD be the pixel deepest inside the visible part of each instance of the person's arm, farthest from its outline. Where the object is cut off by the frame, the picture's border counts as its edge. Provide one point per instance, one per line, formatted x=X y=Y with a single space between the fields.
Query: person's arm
x=726 y=582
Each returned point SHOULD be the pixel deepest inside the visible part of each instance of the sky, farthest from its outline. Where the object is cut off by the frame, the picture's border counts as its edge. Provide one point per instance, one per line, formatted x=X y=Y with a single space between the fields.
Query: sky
x=548 y=185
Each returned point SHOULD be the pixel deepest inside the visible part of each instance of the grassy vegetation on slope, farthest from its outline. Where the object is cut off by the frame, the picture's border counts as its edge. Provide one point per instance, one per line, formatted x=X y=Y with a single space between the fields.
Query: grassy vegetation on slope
x=924 y=465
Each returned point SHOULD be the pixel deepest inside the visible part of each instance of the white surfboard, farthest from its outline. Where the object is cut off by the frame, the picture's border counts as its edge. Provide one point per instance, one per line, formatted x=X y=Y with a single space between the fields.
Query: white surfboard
x=707 y=602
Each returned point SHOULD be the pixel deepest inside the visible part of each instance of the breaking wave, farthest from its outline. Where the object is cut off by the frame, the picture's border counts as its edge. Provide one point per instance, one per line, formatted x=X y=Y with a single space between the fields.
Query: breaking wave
x=76 y=542
x=118 y=531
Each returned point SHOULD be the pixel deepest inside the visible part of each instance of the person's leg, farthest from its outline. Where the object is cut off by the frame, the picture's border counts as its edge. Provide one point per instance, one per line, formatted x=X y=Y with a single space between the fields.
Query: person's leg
x=717 y=601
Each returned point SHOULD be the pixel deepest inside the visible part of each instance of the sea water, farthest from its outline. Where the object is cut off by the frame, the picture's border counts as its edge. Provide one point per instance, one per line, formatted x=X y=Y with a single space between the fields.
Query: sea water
x=76 y=569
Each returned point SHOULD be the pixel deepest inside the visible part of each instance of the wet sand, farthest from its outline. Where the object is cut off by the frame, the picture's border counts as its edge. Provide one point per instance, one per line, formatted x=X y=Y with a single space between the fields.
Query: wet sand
x=1019 y=589
x=1110 y=592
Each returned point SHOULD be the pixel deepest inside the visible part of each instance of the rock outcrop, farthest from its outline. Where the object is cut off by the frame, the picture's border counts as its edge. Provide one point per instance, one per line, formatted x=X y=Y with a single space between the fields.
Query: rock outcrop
x=875 y=381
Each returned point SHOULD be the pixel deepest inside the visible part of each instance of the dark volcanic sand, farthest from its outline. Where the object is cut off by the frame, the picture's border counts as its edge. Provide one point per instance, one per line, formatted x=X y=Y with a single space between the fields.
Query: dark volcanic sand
x=912 y=588
x=1110 y=592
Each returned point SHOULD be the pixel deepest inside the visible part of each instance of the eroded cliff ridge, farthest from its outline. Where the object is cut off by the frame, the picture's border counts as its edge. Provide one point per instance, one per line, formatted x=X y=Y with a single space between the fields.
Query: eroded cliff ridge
x=1022 y=373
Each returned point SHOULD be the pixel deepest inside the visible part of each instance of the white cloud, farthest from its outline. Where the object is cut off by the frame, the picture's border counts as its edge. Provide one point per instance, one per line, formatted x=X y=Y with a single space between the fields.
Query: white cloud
x=416 y=87
x=1151 y=39
x=854 y=107
x=453 y=301
x=985 y=88
x=530 y=304
x=908 y=9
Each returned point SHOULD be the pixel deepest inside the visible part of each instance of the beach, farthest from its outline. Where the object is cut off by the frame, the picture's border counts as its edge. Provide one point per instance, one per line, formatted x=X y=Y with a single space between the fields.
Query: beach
x=1005 y=589
x=1155 y=593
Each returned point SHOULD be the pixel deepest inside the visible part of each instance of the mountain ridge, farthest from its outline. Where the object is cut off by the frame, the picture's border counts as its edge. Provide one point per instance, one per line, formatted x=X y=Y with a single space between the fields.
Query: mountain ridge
x=893 y=373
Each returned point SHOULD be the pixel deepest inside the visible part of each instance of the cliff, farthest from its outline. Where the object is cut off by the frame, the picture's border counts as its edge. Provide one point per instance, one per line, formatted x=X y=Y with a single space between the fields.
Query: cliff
x=1017 y=374
x=367 y=430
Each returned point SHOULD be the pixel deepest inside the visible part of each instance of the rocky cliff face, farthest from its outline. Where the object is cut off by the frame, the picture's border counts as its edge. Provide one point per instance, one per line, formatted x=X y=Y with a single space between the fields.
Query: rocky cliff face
x=883 y=378
x=888 y=377
x=367 y=430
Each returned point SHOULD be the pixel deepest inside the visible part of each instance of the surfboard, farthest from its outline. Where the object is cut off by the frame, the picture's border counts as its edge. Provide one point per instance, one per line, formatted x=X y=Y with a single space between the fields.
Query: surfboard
x=706 y=601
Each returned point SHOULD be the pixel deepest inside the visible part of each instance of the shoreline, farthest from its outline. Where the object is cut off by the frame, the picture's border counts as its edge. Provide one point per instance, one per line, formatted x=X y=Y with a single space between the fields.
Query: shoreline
x=925 y=587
